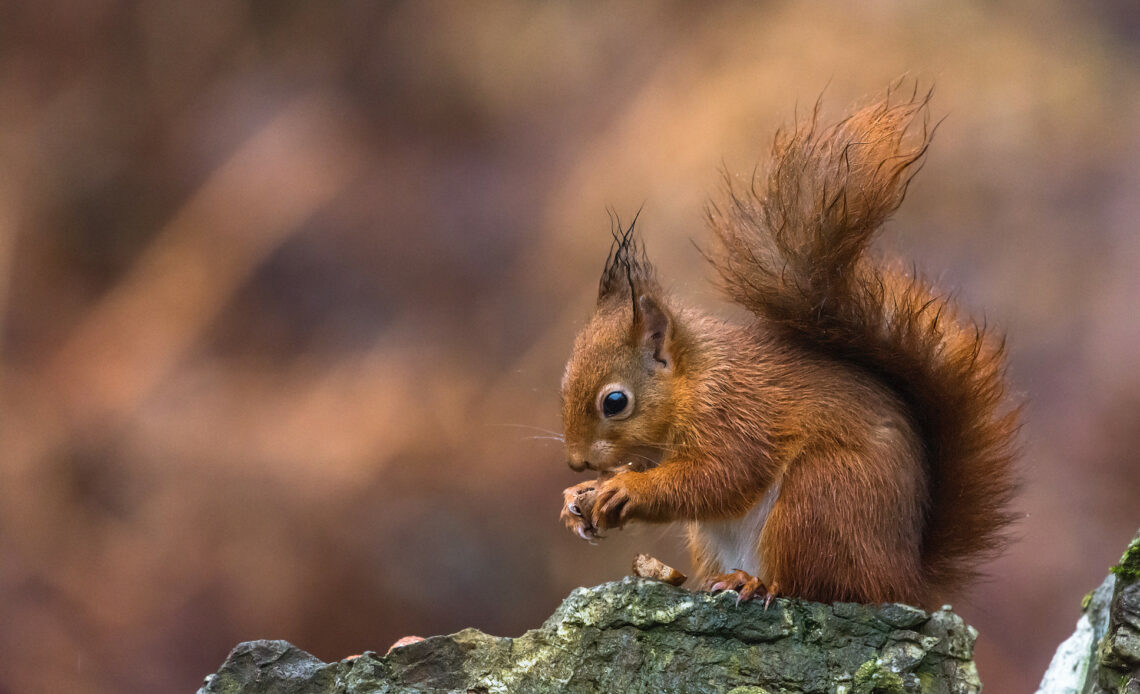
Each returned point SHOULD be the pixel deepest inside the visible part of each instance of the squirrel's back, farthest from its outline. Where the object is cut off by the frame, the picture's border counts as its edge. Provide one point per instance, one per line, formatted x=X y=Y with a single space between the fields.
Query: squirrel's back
x=793 y=249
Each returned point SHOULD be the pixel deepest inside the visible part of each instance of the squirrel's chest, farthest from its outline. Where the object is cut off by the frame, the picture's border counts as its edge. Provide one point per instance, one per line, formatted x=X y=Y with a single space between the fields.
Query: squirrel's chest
x=735 y=544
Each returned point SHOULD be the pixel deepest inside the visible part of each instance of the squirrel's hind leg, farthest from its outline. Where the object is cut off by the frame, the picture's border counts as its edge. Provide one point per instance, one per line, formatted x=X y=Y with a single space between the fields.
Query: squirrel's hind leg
x=842 y=532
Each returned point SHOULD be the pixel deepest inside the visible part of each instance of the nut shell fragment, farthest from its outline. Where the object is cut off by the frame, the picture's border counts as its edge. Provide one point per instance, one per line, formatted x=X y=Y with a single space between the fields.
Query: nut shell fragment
x=646 y=566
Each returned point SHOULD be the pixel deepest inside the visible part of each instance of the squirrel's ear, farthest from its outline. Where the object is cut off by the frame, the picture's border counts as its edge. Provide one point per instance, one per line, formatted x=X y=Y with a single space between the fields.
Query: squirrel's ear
x=656 y=330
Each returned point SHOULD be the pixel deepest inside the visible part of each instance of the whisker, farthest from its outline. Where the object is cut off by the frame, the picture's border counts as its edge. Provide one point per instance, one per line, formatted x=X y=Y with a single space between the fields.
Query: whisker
x=547 y=438
x=525 y=426
x=645 y=458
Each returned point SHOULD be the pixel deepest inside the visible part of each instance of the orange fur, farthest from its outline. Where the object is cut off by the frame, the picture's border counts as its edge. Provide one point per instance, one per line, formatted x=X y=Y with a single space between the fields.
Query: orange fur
x=852 y=442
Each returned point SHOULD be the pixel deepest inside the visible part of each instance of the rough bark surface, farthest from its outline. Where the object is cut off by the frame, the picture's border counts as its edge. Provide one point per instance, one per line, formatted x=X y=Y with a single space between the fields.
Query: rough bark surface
x=1103 y=654
x=639 y=635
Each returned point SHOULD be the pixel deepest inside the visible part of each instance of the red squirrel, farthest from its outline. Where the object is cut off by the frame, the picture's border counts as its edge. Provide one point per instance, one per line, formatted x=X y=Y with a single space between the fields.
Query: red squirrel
x=851 y=442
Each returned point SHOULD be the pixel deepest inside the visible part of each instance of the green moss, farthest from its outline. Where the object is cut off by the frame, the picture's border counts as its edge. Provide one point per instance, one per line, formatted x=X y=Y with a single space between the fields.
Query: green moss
x=873 y=678
x=1086 y=600
x=1129 y=567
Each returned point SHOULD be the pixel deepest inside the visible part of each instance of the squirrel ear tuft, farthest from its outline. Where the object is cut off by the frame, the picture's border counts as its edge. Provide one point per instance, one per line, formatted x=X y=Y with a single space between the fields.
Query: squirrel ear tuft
x=628 y=271
x=656 y=331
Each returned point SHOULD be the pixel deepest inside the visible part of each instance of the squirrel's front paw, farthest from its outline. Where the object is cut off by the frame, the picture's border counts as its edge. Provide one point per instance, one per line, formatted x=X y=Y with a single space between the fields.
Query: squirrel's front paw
x=615 y=502
x=577 y=504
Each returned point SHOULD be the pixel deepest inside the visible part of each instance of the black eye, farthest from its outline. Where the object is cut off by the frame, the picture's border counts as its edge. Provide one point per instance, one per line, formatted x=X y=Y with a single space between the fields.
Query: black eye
x=614 y=403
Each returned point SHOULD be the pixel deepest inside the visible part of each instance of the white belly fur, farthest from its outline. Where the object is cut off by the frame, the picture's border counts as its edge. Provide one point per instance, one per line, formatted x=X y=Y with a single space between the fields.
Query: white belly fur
x=736 y=543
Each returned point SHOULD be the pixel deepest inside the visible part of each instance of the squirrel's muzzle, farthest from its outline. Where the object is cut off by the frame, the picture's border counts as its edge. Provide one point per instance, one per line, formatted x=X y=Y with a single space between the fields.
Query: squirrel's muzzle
x=578 y=463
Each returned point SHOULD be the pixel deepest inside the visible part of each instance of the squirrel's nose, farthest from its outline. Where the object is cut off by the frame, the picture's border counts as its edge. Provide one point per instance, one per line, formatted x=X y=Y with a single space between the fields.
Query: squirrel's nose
x=578 y=464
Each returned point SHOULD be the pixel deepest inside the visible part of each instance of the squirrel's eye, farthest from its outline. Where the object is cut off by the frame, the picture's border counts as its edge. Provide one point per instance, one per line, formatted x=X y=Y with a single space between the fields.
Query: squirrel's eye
x=614 y=403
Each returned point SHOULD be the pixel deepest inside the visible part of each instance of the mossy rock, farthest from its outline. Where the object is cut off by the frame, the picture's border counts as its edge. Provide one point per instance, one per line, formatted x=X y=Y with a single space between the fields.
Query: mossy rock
x=1129 y=567
x=1103 y=654
x=638 y=635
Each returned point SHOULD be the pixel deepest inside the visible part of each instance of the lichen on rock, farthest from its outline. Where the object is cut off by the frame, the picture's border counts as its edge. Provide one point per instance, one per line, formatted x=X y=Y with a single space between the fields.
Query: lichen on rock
x=639 y=635
x=1103 y=654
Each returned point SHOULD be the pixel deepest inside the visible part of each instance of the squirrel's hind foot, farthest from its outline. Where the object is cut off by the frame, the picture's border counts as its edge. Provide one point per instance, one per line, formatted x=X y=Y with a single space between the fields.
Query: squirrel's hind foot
x=745 y=584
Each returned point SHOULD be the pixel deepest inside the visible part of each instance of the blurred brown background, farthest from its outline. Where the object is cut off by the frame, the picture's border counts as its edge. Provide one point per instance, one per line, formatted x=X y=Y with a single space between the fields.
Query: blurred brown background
x=286 y=288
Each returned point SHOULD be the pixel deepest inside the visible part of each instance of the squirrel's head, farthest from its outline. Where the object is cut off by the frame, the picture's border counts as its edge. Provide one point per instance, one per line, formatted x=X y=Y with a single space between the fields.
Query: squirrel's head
x=618 y=389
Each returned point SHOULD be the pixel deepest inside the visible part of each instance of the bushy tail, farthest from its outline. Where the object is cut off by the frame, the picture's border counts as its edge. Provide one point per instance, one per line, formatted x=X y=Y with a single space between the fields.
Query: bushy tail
x=793 y=250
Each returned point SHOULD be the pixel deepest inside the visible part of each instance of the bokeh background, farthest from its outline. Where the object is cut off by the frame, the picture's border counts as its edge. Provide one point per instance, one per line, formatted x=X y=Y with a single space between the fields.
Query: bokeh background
x=286 y=289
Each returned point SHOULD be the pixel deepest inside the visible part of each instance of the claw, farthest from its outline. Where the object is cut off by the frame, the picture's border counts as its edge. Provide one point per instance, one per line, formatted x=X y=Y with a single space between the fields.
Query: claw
x=773 y=591
x=746 y=585
x=573 y=508
x=588 y=534
x=749 y=589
